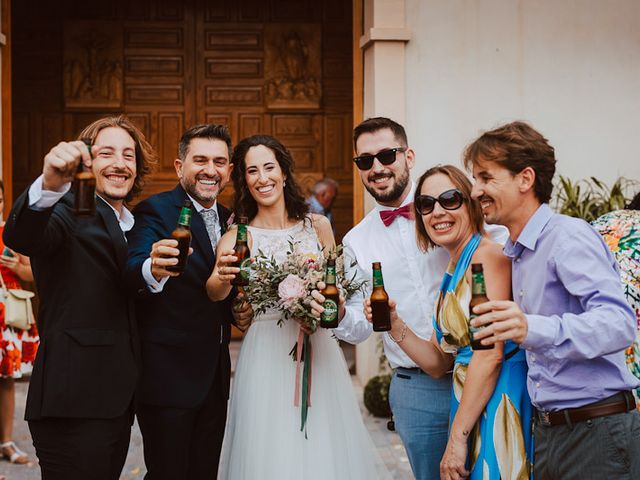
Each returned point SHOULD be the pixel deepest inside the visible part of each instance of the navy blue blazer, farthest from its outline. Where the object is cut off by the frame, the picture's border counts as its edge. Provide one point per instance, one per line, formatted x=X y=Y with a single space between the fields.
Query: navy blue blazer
x=184 y=335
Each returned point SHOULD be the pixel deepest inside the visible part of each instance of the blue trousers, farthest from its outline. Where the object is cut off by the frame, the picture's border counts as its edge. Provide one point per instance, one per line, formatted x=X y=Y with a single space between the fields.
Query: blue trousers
x=420 y=406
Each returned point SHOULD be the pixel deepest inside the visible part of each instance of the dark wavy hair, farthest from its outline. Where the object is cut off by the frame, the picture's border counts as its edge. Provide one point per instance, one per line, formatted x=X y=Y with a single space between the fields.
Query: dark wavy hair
x=372 y=125
x=244 y=203
x=517 y=146
x=145 y=156
x=462 y=183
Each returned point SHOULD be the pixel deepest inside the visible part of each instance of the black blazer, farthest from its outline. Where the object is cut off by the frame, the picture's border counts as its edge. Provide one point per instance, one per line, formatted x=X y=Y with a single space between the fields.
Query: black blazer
x=185 y=336
x=86 y=364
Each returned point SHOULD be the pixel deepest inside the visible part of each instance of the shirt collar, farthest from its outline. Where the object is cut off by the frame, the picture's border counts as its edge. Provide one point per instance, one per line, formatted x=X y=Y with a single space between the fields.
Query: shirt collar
x=408 y=199
x=125 y=220
x=199 y=207
x=531 y=232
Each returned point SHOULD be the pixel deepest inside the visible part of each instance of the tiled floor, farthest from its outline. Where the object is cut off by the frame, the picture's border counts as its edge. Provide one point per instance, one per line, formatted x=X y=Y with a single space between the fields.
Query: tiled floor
x=388 y=443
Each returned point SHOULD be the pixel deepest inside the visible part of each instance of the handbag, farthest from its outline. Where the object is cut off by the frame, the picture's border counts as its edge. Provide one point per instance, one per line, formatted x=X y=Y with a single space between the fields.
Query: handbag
x=18 y=311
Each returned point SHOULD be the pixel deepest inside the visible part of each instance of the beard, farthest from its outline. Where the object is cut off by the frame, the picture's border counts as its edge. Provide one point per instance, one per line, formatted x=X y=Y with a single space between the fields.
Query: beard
x=396 y=191
x=202 y=197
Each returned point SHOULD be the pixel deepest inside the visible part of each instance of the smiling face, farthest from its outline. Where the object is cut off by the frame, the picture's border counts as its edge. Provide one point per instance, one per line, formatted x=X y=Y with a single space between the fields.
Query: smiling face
x=498 y=191
x=205 y=170
x=264 y=176
x=388 y=184
x=114 y=164
x=447 y=228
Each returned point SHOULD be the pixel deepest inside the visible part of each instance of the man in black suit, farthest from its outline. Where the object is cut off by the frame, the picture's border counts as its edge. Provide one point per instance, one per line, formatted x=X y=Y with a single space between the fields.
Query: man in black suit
x=79 y=405
x=182 y=400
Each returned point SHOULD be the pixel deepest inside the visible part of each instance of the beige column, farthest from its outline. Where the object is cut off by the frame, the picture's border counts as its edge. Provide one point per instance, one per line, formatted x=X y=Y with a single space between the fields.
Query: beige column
x=383 y=42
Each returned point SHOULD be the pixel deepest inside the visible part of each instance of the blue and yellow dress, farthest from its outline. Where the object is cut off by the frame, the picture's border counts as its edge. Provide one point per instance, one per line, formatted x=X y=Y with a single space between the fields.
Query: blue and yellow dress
x=501 y=442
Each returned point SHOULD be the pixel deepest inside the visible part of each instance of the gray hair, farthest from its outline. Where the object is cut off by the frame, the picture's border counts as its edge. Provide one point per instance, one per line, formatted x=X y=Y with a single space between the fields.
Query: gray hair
x=321 y=185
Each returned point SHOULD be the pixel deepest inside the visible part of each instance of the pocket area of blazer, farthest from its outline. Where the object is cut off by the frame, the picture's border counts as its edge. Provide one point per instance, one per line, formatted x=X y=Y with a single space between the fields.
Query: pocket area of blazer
x=91 y=337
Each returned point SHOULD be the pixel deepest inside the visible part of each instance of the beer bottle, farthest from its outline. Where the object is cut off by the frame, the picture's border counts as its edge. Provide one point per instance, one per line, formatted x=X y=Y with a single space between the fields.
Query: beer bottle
x=182 y=234
x=241 y=249
x=84 y=186
x=380 y=302
x=329 y=318
x=478 y=296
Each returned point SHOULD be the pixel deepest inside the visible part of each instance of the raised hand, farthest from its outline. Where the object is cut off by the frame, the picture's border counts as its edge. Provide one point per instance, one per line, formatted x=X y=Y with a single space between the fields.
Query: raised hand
x=397 y=324
x=318 y=301
x=164 y=253
x=503 y=320
x=224 y=270
x=61 y=163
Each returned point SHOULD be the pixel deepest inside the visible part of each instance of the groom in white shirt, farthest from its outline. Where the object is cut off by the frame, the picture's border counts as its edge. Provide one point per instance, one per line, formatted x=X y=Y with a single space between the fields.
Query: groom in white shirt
x=420 y=403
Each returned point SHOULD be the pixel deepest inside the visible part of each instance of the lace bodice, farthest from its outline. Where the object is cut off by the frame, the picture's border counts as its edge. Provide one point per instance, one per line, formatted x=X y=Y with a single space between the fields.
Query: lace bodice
x=276 y=242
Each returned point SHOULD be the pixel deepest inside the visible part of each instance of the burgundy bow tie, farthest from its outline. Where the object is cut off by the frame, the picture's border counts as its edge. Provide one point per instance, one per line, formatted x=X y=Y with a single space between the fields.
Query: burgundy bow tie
x=388 y=216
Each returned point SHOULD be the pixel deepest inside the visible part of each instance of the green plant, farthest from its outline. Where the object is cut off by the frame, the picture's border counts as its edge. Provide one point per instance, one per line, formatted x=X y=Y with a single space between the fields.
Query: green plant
x=376 y=391
x=376 y=396
x=590 y=198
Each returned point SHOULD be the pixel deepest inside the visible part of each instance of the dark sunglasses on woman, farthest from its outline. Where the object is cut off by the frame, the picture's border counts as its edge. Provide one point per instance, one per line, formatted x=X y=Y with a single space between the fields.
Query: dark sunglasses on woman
x=385 y=157
x=449 y=200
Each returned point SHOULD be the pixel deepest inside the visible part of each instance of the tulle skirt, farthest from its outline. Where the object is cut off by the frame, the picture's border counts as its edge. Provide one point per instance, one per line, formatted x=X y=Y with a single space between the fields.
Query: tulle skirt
x=263 y=438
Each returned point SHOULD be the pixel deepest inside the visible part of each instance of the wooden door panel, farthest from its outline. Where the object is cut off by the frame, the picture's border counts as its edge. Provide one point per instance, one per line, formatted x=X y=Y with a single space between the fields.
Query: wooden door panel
x=194 y=61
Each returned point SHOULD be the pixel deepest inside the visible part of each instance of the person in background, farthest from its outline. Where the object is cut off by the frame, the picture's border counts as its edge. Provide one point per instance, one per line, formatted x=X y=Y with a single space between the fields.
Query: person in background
x=621 y=232
x=17 y=347
x=323 y=195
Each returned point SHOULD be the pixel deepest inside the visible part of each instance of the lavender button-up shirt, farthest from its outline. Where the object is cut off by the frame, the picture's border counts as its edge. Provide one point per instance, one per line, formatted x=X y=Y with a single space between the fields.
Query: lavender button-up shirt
x=565 y=280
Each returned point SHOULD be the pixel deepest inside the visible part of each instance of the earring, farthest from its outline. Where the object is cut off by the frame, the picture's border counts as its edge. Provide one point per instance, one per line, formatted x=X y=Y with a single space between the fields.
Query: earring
x=284 y=183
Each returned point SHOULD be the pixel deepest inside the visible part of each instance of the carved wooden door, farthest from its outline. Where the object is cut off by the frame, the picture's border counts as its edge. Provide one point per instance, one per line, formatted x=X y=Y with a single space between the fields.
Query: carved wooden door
x=281 y=67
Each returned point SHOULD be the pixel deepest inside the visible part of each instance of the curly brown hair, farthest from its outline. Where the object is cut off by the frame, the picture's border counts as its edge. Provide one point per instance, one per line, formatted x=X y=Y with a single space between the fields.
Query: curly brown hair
x=462 y=183
x=517 y=146
x=146 y=157
x=244 y=203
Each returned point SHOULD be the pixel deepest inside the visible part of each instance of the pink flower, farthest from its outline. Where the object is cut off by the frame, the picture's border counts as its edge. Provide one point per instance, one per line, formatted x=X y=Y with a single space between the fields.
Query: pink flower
x=291 y=289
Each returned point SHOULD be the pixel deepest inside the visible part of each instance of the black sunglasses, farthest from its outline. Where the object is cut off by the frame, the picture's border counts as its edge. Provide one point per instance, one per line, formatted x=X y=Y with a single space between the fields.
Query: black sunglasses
x=385 y=157
x=449 y=200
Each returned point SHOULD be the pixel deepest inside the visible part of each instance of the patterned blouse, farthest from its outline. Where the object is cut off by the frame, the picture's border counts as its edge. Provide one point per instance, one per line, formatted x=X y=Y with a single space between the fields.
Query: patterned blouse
x=621 y=232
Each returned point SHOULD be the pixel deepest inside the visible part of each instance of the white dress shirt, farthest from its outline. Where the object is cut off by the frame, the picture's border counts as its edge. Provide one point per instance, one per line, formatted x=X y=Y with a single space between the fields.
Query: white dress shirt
x=411 y=278
x=40 y=199
x=156 y=286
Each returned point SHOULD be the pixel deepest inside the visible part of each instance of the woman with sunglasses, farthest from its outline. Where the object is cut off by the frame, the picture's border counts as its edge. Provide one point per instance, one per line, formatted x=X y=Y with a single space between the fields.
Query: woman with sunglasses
x=490 y=433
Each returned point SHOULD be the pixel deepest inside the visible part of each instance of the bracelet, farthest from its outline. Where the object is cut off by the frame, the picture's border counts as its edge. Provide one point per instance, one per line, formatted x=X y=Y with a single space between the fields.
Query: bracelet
x=402 y=334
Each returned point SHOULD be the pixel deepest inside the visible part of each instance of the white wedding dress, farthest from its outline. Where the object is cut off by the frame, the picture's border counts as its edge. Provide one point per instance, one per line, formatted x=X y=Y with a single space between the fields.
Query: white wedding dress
x=263 y=438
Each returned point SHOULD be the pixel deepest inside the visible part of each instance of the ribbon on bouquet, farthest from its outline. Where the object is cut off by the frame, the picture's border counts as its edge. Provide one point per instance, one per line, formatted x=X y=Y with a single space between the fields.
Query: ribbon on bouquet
x=303 y=355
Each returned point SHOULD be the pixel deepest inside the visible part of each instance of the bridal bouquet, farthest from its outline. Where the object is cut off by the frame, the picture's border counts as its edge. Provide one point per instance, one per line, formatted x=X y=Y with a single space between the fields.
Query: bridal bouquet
x=287 y=287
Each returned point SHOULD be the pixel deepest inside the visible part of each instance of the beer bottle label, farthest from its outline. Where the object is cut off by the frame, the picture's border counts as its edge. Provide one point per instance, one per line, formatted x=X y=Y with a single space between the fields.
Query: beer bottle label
x=185 y=217
x=245 y=268
x=377 y=278
x=477 y=284
x=242 y=233
x=330 y=278
x=330 y=311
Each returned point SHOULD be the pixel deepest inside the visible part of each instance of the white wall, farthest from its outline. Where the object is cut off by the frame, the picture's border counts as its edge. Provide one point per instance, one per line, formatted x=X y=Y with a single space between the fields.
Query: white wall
x=569 y=67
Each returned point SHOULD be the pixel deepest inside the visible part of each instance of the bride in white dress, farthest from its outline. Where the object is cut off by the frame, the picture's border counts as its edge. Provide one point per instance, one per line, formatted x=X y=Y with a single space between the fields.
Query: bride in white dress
x=263 y=438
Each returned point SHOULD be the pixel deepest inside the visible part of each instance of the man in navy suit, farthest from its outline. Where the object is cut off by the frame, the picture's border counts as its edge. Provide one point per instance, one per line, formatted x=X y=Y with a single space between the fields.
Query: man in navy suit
x=182 y=398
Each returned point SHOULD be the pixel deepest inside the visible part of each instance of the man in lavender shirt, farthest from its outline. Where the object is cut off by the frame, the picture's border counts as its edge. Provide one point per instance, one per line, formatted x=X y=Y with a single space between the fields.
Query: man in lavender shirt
x=569 y=314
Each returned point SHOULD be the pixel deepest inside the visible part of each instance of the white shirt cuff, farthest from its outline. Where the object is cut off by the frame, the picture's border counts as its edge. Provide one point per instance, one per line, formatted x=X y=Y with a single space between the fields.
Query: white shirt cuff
x=154 y=285
x=40 y=199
